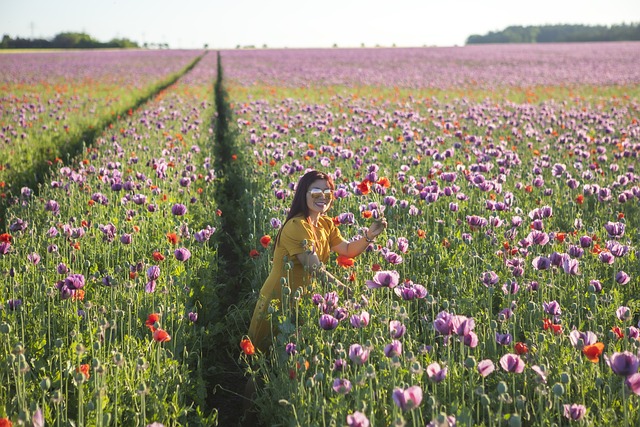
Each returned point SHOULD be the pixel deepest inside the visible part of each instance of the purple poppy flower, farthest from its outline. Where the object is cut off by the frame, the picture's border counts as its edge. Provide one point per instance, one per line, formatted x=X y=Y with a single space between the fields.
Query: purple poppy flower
x=633 y=382
x=623 y=364
x=606 y=257
x=178 y=209
x=510 y=288
x=489 y=278
x=150 y=287
x=341 y=386
x=470 y=340
x=192 y=316
x=18 y=225
x=328 y=322
x=623 y=313
x=52 y=206
x=357 y=419
x=109 y=232
x=436 y=373
x=409 y=290
x=4 y=248
x=570 y=266
x=486 y=367
x=586 y=241
x=541 y=263
x=125 y=239
x=615 y=229
x=182 y=254
x=403 y=244
x=153 y=272
x=503 y=339
x=384 y=279
x=393 y=349
x=407 y=399
x=358 y=354
x=542 y=375
x=74 y=281
x=476 y=221
x=33 y=258
x=339 y=365
x=443 y=323
x=396 y=329
x=552 y=308
x=512 y=363
x=391 y=257
x=617 y=249
x=588 y=338
x=574 y=412
x=290 y=349
x=576 y=251
x=538 y=237
x=360 y=320
x=14 y=304
x=62 y=268
x=622 y=278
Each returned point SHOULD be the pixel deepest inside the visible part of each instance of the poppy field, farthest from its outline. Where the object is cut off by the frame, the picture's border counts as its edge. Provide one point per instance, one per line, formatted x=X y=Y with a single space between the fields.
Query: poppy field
x=504 y=291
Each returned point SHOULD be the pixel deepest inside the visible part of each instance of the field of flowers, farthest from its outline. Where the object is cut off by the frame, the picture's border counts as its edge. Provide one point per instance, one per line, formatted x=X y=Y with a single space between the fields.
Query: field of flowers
x=103 y=268
x=505 y=291
x=53 y=103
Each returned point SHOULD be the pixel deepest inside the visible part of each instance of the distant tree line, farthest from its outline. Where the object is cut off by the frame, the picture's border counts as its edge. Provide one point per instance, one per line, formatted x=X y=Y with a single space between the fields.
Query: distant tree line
x=560 y=34
x=65 y=41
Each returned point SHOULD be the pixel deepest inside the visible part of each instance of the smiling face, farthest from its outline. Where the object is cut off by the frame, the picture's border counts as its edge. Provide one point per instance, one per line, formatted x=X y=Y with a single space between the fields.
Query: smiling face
x=318 y=197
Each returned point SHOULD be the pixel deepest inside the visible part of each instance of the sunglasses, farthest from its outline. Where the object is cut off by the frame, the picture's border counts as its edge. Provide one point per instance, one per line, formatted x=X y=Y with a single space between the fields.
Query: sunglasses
x=316 y=193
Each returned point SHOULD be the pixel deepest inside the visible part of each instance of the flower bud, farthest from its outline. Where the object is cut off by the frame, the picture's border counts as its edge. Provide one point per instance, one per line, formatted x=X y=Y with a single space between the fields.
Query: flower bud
x=558 y=389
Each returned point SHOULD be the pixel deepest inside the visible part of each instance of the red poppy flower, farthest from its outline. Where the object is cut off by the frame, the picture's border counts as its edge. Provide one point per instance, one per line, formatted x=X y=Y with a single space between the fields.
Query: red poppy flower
x=384 y=182
x=5 y=422
x=158 y=256
x=161 y=335
x=620 y=215
x=336 y=220
x=560 y=237
x=557 y=329
x=218 y=212
x=366 y=214
x=421 y=234
x=265 y=240
x=5 y=238
x=593 y=351
x=152 y=319
x=352 y=276
x=376 y=267
x=521 y=348
x=247 y=347
x=173 y=238
x=364 y=187
x=580 y=199
x=345 y=261
x=84 y=369
x=133 y=275
x=78 y=295
x=616 y=330
x=254 y=253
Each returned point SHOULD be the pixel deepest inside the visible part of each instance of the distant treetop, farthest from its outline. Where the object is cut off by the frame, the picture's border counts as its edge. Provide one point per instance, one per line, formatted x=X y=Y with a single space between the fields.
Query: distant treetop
x=65 y=41
x=560 y=34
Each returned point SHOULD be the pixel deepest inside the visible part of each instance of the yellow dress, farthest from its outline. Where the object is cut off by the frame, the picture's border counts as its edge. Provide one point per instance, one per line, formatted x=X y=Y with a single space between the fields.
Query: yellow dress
x=296 y=237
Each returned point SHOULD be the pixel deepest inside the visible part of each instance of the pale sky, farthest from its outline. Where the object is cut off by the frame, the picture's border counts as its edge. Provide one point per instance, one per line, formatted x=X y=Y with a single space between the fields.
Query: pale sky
x=299 y=23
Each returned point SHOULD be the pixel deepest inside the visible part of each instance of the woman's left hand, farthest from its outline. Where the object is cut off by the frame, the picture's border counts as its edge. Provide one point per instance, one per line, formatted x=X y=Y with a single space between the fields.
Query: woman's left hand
x=377 y=227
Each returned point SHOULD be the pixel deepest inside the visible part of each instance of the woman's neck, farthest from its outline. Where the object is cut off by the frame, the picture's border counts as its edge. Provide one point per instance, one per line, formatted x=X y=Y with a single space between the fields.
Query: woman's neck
x=314 y=217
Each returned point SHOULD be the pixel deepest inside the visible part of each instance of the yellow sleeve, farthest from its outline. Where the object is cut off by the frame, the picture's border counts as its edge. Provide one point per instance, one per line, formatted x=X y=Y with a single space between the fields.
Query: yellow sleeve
x=335 y=237
x=296 y=236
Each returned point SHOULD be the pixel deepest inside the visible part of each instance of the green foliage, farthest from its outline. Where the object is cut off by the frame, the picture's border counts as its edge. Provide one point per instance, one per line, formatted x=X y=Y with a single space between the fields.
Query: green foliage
x=66 y=40
x=559 y=34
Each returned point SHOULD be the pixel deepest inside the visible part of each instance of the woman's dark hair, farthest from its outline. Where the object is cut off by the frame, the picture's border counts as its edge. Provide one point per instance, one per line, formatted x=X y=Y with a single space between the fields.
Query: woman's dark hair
x=299 y=204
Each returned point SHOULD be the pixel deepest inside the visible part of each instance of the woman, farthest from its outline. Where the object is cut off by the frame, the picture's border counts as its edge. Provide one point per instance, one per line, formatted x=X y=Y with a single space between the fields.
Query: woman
x=305 y=239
